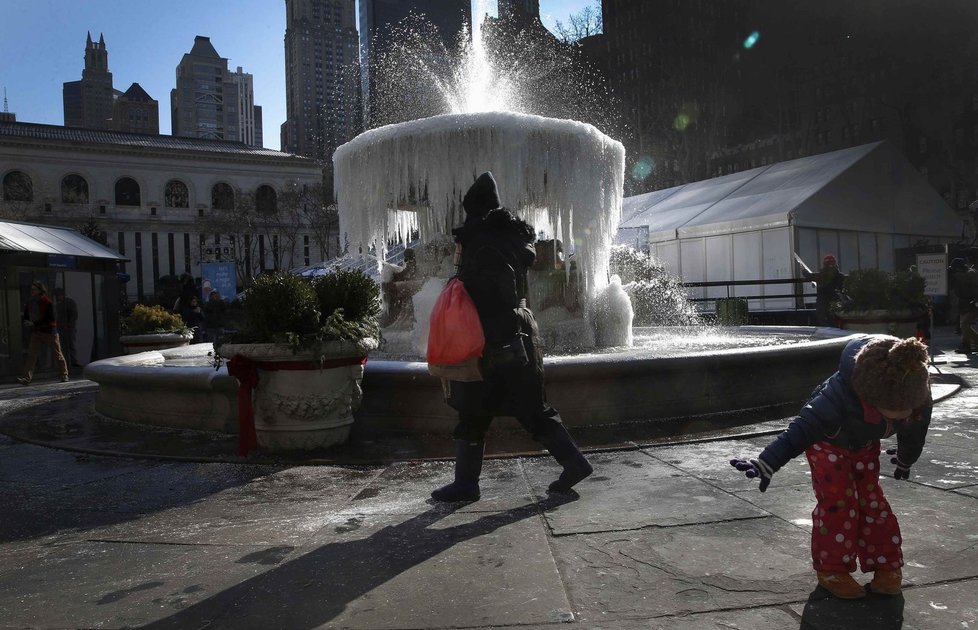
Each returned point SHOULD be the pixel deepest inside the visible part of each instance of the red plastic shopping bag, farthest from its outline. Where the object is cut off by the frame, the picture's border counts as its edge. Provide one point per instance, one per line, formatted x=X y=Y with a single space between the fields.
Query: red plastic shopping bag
x=455 y=335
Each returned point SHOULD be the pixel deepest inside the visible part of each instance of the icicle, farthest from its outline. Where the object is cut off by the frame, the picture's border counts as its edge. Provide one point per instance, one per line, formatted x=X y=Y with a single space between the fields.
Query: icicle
x=411 y=176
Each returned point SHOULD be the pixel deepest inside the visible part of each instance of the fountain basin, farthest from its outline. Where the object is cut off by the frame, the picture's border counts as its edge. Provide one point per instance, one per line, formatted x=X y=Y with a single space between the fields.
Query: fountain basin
x=176 y=388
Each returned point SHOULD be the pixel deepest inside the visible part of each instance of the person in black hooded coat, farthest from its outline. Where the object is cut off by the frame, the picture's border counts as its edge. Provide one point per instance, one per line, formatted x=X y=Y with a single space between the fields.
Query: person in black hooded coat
x=497 y=249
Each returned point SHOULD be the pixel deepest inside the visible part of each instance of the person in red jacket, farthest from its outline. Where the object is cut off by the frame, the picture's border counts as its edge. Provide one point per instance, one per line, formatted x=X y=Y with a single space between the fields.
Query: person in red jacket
x=39 y=313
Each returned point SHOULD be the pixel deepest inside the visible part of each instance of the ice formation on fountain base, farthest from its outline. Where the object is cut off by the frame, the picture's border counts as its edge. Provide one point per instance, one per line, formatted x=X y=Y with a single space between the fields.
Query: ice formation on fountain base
x=564 y=177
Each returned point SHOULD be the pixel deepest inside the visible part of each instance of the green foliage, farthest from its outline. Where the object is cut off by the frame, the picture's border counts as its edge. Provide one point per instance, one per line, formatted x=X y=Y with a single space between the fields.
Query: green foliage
x=279 y=303
x=282 y=308
x=152 y=319
x=350 y=290
x=874 y=289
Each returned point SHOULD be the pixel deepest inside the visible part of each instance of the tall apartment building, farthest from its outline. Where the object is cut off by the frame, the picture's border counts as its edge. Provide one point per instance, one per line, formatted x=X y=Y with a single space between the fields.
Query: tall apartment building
x=93 y=103
x=843 y=74
x=519 y=10
x=204 y=103
x=135 y=111
x=249 y=114
x=322 y=89
x=88 y=102
x=675 y=67
x=379 y=18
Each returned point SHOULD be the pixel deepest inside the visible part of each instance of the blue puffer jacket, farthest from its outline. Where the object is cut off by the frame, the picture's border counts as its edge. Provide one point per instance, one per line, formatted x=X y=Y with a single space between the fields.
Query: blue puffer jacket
x=835 y=414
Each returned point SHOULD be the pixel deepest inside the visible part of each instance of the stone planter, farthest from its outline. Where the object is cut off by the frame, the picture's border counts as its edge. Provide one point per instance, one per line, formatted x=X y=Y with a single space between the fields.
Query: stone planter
x=899 y=323
x=305 y=400
x=132 y=344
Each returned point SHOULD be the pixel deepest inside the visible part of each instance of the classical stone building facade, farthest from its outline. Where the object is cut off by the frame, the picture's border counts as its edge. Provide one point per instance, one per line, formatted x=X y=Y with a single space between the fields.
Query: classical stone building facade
x=167 y=203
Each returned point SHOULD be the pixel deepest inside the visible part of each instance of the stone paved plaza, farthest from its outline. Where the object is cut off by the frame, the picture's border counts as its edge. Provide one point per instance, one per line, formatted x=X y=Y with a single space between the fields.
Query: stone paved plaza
x=663 y=535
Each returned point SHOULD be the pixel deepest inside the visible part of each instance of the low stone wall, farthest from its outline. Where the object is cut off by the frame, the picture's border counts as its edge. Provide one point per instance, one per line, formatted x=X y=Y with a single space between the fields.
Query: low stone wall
x=138 y=388
x=594 y=390
x=617 y=388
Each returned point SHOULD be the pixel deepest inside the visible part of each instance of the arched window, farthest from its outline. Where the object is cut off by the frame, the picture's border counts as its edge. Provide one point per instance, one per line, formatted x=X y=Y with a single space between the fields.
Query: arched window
x=176 y=195
x=265 y=201
x=222 y=197
x=17 y=186
x=74 y=189
x=127 y=192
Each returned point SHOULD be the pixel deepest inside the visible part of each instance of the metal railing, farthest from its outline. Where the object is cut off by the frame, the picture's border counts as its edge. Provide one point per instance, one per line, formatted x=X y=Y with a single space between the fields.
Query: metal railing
x=797 y=294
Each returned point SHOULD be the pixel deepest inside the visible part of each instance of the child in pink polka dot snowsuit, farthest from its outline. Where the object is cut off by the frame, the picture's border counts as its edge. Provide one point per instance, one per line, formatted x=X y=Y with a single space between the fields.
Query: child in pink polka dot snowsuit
x=882 y=388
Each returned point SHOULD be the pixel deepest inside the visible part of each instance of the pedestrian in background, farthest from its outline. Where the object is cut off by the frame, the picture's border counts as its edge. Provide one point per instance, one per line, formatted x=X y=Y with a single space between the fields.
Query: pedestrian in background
x=214 y=309
x=66 y=312
x=829 y=281
x=192 y=315
x=882 y=388
x=964 y=285
x=39 y=313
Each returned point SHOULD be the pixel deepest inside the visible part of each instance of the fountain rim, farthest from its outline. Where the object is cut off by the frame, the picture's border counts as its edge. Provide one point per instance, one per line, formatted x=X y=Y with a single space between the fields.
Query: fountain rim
x=466 y=121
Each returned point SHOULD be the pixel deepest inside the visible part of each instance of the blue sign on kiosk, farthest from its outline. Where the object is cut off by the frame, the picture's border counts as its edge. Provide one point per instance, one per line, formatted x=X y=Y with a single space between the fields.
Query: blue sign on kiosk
x=62 y=261
x=220 y=277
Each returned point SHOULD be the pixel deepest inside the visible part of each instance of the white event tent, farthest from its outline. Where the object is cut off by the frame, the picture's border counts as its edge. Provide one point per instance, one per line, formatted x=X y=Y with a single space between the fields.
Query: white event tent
x=859 y=204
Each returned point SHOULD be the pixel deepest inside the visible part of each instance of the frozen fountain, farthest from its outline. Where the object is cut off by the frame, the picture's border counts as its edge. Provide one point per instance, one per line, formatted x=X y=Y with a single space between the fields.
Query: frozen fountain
x=565 y=178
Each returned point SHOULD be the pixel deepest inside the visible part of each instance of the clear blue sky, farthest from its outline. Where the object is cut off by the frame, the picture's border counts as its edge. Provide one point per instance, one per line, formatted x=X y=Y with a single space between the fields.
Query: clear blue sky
x=42 y=45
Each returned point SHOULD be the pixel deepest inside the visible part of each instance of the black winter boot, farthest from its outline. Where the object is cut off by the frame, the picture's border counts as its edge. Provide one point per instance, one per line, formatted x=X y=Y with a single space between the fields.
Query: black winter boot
x=468 y=467
x=576 y=467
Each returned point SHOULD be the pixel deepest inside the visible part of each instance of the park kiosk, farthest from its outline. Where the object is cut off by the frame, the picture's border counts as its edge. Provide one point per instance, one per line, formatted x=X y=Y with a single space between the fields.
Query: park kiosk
x=89 y=273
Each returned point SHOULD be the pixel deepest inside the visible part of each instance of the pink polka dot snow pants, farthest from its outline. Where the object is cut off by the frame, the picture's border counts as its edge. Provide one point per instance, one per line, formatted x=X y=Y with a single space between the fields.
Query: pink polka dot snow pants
x=852 y=518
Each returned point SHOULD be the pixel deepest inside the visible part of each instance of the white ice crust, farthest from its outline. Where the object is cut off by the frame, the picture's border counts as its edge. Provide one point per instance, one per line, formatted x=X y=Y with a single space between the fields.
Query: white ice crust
x=564 y=177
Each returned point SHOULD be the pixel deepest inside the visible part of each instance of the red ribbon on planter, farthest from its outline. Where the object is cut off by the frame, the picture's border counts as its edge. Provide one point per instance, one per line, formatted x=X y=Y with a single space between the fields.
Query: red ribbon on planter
x=243 y=369
x=246 y=371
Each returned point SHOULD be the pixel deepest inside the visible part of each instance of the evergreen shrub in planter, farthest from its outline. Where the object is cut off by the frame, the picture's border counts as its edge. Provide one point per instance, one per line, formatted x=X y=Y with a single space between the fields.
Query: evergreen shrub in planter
x=879 y=301
x=301 y=349
x=153 y=328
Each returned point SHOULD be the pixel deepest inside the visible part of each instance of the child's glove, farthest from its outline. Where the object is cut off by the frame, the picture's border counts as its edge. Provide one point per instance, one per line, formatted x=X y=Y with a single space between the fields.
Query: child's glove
x=902 y=471
x=755 y=468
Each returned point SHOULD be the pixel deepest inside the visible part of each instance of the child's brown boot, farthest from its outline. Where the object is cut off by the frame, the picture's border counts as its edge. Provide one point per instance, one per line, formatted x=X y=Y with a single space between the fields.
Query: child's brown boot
x=887 y=582
x=841 y=585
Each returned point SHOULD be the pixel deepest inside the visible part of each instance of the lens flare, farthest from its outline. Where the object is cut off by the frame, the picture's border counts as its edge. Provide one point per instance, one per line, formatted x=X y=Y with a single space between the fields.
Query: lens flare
x=643 y=168
x=751 y=40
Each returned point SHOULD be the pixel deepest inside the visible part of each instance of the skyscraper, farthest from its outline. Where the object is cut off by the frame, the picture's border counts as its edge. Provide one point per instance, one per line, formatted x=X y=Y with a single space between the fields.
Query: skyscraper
x=321 y=78
x=88 y=103
x=378 y=18
x=135 y=111
x=204 y=103
x=519 y=9
x=249 y=115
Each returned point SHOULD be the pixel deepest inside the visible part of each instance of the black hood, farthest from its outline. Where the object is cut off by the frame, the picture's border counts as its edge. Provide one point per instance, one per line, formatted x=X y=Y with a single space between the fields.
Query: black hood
x=481 y=197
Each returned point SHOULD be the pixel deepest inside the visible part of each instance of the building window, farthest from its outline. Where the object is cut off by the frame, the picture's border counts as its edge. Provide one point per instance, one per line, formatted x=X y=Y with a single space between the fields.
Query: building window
x=222 y=197
x=101 y=209
x=127 y=192
x=152 y=212
x=17 y=186
x=74 y=189
x=265 y=200
x=176 y=195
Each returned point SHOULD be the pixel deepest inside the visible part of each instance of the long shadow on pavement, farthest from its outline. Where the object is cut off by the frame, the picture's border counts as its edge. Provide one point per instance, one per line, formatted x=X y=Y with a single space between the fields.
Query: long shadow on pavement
x=876 y=612
x=313 y=589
